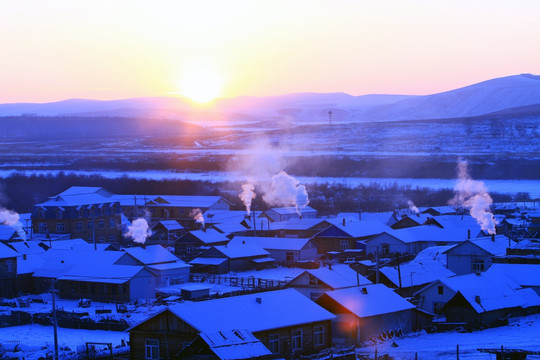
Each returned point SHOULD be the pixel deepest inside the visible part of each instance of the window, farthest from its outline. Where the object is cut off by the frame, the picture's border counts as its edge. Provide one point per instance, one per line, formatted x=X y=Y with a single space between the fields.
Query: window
x=318 y=335
x=313 y=280
x=60 y=227
x=79 y=226
x=101 y=239
x=59 y=214
x=385 y=249
x=151 y=349
x=41 y=214
x=101 y=224
x=440 y=290
x=42 y=227
x=296 y=340
x=273 y=343
x=81 y=213
x=90 y=225
x=102 y=289
x=315 y=295
x=438 y=308
x=478 y=265
x=112 y=238
x=344 y=245
x=112 y=223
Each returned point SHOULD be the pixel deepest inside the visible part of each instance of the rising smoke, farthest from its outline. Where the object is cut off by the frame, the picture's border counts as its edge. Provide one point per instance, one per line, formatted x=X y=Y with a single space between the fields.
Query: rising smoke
x=412 y=208
x=138 y=231
x=285 y=190
x=247 y=196
x=11 y=218
x=197 y=215
x=473 y=194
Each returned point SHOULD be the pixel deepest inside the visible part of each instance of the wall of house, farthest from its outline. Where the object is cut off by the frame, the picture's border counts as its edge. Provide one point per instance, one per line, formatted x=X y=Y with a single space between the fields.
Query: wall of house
x=394 y=245
x=307 y=338
x=142 y=286
x=311 y=289
x=430 y=296
x=166 y=277
x=459 y=258
x=96 y=291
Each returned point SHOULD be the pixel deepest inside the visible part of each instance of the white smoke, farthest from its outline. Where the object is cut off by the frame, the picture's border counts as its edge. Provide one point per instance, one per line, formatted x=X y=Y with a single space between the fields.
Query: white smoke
x=413 y=207
x=138 y=231
x=247 y=196
x=11 y=218
x=473 y=195
x=197 y=215
x=285 y=190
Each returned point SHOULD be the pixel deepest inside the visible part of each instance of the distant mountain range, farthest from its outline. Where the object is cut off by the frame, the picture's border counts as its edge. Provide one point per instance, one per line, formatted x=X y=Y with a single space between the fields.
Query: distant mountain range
x=499 y=95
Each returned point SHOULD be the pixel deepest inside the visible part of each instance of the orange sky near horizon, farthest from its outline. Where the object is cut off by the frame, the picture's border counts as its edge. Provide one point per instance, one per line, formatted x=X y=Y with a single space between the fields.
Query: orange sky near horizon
x=62 y=49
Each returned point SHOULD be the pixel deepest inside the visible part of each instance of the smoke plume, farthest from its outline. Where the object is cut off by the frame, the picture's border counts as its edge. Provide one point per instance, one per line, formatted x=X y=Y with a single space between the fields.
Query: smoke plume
x=11 y=218
x=285 y=190
x=138 y=231
x=413 y=207
x=197 y=215
x=247 y=195
x=473 y=195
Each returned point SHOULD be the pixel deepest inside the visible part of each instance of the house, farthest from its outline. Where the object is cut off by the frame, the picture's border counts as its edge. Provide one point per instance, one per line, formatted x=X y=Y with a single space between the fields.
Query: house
x=490 y=305
x=287 y=213
x=432 y=297
x=170 y=207
x=284 y=320
x=315 y=282
x=110 y=283
x=189 y=245
x=534 y=226
x=82 y=212
x=439 y=210
x=225 y=345
x=476 y=255
x=525 y=275
x=8 y=271
x=76 y=244
x=409 y=277
x=301 y=228
x=344 y=234
x=284 y=250
x=407 y=221
x=234 y=257
x=166 y=231
x=367 y=312
x=169 y=270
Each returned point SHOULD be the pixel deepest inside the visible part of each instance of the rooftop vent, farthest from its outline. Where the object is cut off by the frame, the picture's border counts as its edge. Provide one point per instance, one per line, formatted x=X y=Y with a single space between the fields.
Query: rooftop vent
x=259 y=300
x=364 y=290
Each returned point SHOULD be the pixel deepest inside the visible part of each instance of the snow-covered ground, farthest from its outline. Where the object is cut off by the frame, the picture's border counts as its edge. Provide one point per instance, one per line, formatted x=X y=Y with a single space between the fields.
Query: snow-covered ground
x=500 y=186
x=522 y=333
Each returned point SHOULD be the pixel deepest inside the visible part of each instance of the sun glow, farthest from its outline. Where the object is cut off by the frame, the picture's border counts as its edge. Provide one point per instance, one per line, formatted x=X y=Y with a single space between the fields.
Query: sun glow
x=201 y=84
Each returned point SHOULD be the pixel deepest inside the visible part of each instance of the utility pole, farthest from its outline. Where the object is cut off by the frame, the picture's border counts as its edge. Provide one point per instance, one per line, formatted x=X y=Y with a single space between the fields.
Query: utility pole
x=254 y=224
x=398 y=271
x=55 y=321
x=377 y=265
x=94 y=228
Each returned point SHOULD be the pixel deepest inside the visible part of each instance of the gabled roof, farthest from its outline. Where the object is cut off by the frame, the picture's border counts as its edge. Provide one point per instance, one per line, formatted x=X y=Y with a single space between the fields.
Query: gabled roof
x=169 y=266
x=224 y=216
x=291 y=210
x=272 y=243
x=496 y=297
x=113 y=274
x=6 y=252
x=379 y=216
x=171 y=225
x=234 y=344
x=151 y=254
x=493 y=246
x=84 y=190
x=6 y=232
x=416 y=273
x=357 y=229
x=432 y=253
x=338 y=277
x=255 y=312
x=78 y=199
x=523 y=274
x=369 y=300
x=27 y=247
x=239 y=250
x=298 y=224
x=74 y=244
x=186 y=201
x=209 y=236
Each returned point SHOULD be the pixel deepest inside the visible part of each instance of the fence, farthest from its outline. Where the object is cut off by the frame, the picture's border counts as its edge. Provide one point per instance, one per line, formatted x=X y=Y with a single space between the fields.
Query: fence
x=239 y=281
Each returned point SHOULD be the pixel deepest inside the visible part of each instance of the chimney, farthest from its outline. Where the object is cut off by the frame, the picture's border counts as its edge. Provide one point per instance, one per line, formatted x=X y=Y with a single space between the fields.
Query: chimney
x=343 y=221
x=468 y=234
x=492 y=237
x=259 y=300
x=477 y=299
x=243 y=241
x=364 y=291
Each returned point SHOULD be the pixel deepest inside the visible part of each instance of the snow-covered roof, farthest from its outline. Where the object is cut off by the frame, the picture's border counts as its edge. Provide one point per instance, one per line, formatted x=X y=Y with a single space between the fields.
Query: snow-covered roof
x=81 y=190
x=27 y=247
x=416 y=273
x=296 y=224
x=169 y=266
x=339 y=276
x=272 y=243
x=239 y=250
x=432 y=253
x=151 y=254
x=74 y=244
x=255 y=312
x=225 y=216
x=78 y=199
x=494 y=245
x=362 y=228
x=209 y=236
x=499 y=297
x=112 y=274
x=523 y=274
x=194 y=201
x=6 y=252
x=228 y=228
x=369 y=300
x=291 y=210
x=234 y=344
x=207 y=261
x=171 y=225
x=6 y=232
x=379 y=216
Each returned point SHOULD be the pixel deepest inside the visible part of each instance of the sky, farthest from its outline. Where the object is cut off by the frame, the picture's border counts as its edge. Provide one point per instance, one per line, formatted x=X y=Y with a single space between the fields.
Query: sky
x=59 y=49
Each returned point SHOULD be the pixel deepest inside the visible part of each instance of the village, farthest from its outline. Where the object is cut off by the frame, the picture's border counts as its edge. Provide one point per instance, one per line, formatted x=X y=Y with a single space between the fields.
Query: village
x=186 y=276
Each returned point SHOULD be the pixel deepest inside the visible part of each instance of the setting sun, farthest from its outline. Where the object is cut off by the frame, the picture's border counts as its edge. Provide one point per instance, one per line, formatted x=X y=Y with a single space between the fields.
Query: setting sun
x=201 y=84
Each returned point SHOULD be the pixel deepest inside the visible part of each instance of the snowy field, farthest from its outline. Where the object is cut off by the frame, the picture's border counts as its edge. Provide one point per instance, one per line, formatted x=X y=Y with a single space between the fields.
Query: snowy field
x=500 y=186
x=522 y=333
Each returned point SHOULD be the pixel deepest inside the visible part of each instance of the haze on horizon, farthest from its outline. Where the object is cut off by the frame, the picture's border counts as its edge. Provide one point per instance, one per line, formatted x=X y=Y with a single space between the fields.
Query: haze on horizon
x=105 y=50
